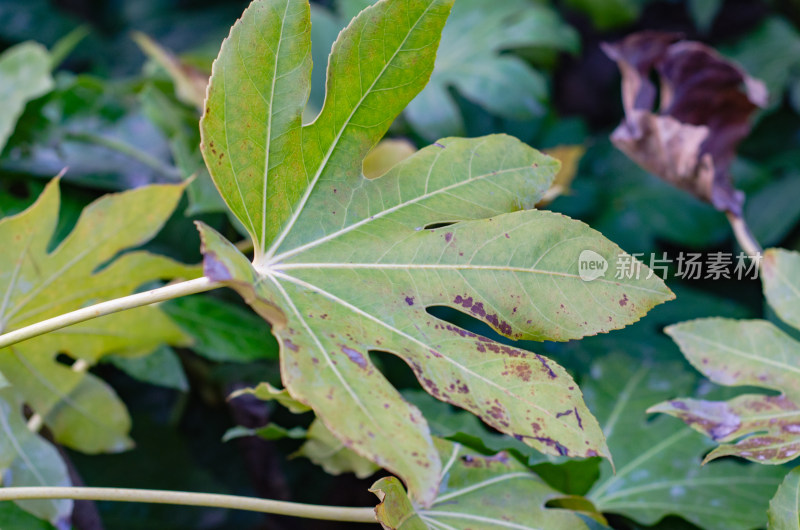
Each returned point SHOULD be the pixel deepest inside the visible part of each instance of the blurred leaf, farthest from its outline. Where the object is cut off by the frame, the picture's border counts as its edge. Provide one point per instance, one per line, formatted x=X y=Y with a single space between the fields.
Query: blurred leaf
x=639 y=208
x=609 y=14
x=28 y=460
x=162 y=367
x=742 y=353
x=477 y=493
x=179 y=125
x=12 y=517
x=781 y=276
x=325 y=450
x=570 y=158
x=774 y=210
x=222 y=331
x=690 y=140
x=190 y=83
x=703 y=12
x=270 y=431
x=658 y=462
x=267 y=392
x=96 y=128
x=81 y=411
x=385 y=156
x=470 y=60
x=24 y=75
x=784 y=508
x=770 y=53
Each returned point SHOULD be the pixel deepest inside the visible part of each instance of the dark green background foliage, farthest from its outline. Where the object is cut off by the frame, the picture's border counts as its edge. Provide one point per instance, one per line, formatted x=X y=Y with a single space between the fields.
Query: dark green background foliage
x=115 y=120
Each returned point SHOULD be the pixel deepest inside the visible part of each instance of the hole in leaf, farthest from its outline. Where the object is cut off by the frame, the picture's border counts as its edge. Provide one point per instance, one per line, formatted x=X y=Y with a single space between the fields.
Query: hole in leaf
x=574 y=503
x=434 y=226
x=65 y=359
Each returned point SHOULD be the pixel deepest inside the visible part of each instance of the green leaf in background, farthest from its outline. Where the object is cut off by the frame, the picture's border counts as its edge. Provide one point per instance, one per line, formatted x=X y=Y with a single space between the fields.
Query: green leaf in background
x=781 y=277
x=477 y=492
x=658 y=462
x=98 y=129
x=784 y=508
x=271 y=431
x=771 y=53
x=325 y=450
x=28 y=460
x=345 y=265
x=24 y=75
x=81 y=411
x=162 y=367
x=12 y=517
x=704 y=12
x=179 y=125
x=742 y=353
x=609 y=14
x=470 y=61
x=222 y=331
x=267 y=392
x=773 y=211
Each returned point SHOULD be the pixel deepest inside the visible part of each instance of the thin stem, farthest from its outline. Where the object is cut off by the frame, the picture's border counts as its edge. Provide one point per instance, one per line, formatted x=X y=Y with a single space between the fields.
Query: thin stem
x=308 y=511
x=743 y=235
x=171 y=173
x=153 y=296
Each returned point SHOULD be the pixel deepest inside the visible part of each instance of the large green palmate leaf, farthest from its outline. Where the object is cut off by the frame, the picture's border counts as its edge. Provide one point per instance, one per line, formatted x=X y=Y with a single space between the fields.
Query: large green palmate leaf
x=784 y=508
x=477 y=492
x=658 y=462
x=24 y=75
x=36 y=283
x=345 y=265
x=765 y=428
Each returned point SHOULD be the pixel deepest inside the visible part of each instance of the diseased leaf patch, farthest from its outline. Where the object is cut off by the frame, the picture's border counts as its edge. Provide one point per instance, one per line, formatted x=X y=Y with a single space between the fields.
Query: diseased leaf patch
x=345 y=265
x=765 y=429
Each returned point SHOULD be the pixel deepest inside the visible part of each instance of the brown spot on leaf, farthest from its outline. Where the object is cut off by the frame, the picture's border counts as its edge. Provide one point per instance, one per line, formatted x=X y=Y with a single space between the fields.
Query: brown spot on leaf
x=624 y=300
x=448 y=236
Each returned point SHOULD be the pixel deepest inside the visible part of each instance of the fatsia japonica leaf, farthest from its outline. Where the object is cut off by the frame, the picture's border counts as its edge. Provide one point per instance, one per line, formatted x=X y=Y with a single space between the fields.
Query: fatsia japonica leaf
x=345 y=265
x=477 y=492
x=758 y=427
x=36 y=283
x=784 y=508
x=24 y=75
x=781 y=277
x=26 y=459
x=658 y=462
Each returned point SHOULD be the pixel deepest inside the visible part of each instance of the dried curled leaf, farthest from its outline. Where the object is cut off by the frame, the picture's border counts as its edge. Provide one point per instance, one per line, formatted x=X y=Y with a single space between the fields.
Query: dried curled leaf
x=705 y=105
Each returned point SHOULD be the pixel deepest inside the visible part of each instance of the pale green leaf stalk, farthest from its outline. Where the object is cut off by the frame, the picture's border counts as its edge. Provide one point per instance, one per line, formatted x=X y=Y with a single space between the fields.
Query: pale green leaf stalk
x=345 y=265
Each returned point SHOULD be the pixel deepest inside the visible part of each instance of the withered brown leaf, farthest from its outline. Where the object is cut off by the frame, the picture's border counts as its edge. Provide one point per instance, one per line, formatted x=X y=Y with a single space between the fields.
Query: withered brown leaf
x=703 y=114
